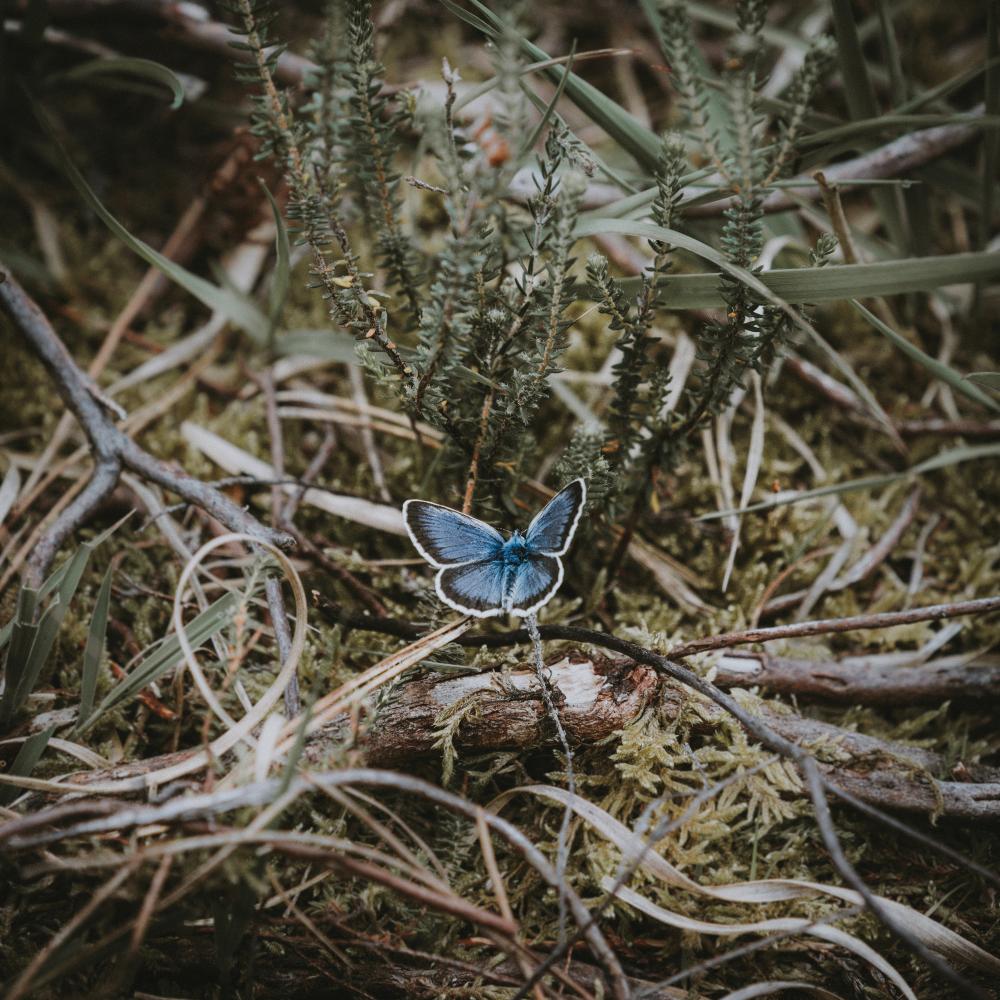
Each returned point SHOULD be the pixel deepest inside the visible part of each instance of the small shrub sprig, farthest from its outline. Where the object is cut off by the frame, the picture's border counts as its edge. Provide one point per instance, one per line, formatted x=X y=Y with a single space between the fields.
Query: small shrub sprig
x=641 y=437
x=312 y=206
x=373 y=134
x=482 y=321
x=753 y=332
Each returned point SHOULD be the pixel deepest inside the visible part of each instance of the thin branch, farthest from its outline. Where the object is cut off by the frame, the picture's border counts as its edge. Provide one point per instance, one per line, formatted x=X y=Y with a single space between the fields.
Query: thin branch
x=410 y=630
x=473 y=476
x=864 y=680
x=817 y=791
x=933 y=612
x=549 y=692
x=894 y=159
x=111 y=447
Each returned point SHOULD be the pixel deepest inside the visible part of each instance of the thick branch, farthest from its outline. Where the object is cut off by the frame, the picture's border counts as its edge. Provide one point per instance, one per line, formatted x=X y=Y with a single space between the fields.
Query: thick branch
x=600 y=696
x=597 y=698
x=864 y=681
x=823 y=626
x=111 y=447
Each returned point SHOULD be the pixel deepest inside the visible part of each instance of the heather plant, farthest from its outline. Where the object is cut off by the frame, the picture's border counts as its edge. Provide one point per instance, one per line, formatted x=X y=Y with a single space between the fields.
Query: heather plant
x=468 y=330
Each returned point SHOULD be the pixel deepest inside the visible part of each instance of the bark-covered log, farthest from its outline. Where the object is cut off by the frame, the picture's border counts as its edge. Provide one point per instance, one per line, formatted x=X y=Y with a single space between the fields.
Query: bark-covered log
x=599 y=697
x=504 y=711
x=602 y=695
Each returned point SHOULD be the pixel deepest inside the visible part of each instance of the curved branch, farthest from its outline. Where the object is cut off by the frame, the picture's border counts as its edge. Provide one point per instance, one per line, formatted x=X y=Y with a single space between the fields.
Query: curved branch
x=100 y=486
x=111 y=447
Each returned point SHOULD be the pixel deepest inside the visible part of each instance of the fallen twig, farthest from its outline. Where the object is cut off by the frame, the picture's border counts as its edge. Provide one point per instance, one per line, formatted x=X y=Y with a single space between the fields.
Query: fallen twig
x=934 y=612
x=894 y=159
x=411 y=630
x=113 y=450
x=864 y=681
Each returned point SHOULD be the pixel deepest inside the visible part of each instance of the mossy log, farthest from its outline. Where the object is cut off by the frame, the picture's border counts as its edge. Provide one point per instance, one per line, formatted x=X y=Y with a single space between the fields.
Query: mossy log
x=601 y=696
x=503 y=710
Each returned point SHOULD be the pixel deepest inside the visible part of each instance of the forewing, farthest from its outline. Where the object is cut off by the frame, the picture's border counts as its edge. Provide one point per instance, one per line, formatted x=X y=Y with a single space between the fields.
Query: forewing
x=537 y=579
x=445 y=537
x=552 y=529
x=474 y=589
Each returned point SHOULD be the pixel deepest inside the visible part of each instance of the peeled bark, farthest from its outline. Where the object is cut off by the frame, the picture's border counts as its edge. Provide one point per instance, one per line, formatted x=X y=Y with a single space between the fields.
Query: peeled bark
x=600 y=696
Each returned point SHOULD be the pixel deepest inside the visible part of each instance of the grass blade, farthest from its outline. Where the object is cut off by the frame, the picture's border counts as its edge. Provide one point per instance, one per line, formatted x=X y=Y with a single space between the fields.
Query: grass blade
x=836 y=282
x=895 y=122
x=24 y=763
x=861 y=104
x=529 y=145
x=21 y=632
x=9 y=489
x=991 y=139
x=57 y=580
x=990 y=379
x=239 y=308
x=282 y=269
x=145 y=68
x=640 y=142
x=94 y=648
x=25 y=662
x=326 y=345
x=890 y=51
x=201 y=628
x=295 y=754
x=941 y=371
x=42 y=643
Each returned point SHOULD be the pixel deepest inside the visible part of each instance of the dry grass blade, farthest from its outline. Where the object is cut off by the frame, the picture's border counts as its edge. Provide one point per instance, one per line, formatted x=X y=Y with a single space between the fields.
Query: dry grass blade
x=239 y=462
x=779 y=985
x=755 y=453
x=783 y=925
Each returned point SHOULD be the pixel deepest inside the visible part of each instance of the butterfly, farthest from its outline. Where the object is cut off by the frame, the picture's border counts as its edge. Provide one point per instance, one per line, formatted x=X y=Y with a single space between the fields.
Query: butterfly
x=481 y=573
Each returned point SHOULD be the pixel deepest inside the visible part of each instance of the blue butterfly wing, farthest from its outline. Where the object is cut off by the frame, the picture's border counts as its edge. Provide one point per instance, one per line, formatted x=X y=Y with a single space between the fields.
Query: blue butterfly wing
x=445 y=537
x=552 y=529
x=535 y=581
x=474 y=589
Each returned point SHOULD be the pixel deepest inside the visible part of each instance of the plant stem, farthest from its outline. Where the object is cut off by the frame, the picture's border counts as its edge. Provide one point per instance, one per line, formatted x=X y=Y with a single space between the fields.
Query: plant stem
x=562 y=849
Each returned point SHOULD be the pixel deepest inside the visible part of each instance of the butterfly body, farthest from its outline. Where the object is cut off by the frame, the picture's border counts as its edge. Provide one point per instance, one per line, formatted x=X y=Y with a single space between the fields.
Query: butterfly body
x=515 y=550
x=483 y=574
